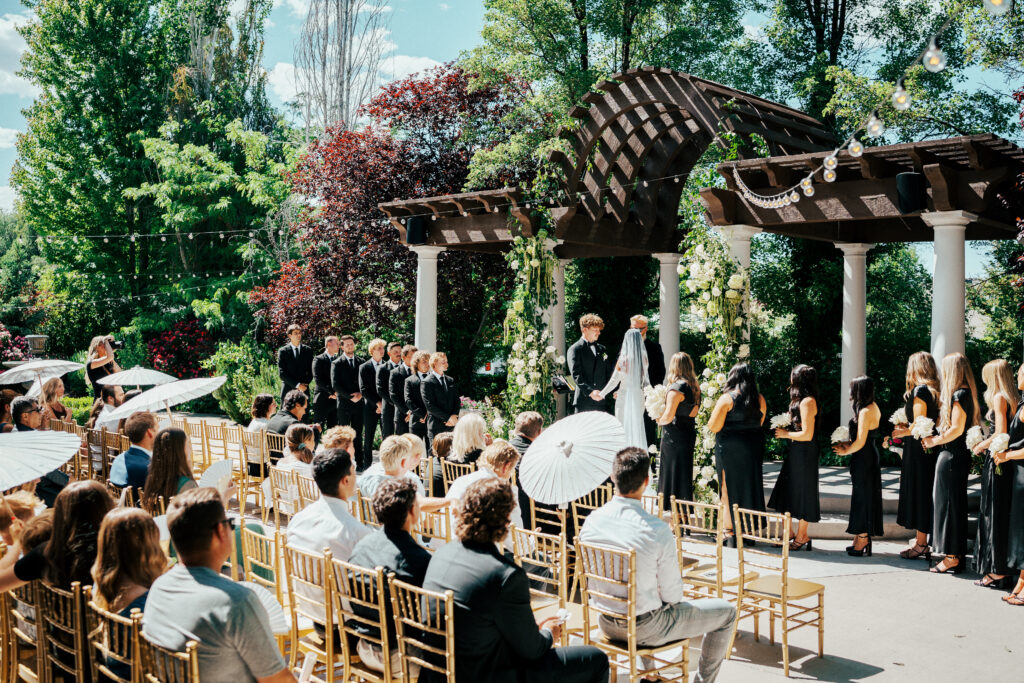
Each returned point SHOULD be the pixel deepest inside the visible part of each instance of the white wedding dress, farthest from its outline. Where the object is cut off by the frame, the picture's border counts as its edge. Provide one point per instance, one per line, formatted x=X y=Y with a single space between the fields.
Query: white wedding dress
x=630 y=377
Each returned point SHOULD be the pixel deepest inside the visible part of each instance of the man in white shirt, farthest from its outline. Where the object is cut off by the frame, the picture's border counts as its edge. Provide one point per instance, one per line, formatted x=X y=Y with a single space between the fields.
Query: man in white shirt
x=397 y=461
x=663 y=615
x=112 y=397
x=498 y=461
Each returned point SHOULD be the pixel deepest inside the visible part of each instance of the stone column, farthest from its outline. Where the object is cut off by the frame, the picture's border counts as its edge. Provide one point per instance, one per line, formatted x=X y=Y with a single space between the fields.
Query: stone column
x=426 y=296
x=854 y=347
x=668 y=304
x=557 y=322
x=948 y=309
x=739 y=237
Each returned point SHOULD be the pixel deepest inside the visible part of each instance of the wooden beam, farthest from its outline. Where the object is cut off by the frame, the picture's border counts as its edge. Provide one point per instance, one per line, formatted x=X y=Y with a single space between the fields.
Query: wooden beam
x=783 y=139
x=942 y=179
x=874 y=167
x=981 y=157
x=720 y=204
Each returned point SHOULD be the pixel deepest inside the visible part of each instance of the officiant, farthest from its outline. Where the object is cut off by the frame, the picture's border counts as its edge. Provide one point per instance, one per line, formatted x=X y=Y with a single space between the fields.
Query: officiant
x=655 y=370
x=589 y=366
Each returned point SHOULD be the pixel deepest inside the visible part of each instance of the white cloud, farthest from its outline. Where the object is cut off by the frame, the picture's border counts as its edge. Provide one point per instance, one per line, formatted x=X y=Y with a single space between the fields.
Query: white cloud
x=400 y=66
x=282 y=81
x=8 y=136
x=444 y=6
x=7 y=197
x=12 y=45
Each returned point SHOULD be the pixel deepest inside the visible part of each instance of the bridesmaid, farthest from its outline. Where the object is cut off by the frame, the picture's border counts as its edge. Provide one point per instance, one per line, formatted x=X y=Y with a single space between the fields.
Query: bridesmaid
x=679 y=434
x=918 y=476
x=796 y=491
x=959 y=412
x=739 y=448
x=865 y=470
x=1012 y=460
x=1001 y=397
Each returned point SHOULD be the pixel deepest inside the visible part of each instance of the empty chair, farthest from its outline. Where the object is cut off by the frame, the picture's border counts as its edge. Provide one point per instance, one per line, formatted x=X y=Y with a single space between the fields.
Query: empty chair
x=62 y=617
x=699 y=531
x=425 y=623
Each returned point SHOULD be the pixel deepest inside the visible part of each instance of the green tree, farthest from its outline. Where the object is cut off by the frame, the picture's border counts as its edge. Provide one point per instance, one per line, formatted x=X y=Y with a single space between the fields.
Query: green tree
x=18 y=261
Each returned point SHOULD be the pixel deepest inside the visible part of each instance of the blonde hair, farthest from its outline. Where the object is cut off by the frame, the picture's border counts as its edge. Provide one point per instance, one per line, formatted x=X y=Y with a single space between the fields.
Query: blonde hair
x=999 y=381
x=374 y=343
x=416 y=444
x=498 y=455
x=339 y=437
x=48 y=394
x=639 y=319
x=393 y=451
x=921 y=370
x=591 y=320
x=680 y=369
x=437 y=356
x=20 y=505
x=418 y=358
x=956 y=372
x=470 y=435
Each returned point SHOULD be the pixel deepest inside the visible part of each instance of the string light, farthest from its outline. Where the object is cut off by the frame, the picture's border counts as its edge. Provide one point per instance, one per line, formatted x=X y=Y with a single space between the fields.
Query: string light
x=875 y=127
x=829 y=175
x=998 y=8
x=856 y=148
x=831 y=163
x=900 y=97
x=934 y=57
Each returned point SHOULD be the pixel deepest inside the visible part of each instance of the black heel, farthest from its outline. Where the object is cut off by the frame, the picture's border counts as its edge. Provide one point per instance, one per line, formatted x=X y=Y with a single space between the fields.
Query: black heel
x=806 y=545
x=865 y=551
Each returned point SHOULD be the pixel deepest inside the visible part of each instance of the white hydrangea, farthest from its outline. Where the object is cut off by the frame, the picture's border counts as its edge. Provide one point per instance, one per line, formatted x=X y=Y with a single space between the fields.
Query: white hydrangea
x=738 y=322
x=712 y=390
x=521 y=379
x=706 y=296
x=709 y=443
x=681 y=269
x=744 y=351
x=707 y=473
x=720 y=378
x=550 y=350
x=704 y=387
x=735 y=281
x=716 y=291
x=706 y=373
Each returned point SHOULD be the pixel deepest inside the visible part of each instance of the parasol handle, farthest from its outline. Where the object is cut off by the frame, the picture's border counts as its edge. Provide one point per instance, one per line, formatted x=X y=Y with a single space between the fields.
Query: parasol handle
x=565 y=447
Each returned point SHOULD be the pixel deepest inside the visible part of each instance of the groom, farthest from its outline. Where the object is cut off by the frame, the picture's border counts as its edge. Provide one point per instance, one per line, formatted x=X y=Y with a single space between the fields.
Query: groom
x=589 y=366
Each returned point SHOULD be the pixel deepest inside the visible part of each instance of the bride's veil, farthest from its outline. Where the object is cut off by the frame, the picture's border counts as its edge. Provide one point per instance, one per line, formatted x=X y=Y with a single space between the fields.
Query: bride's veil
x=633 y=361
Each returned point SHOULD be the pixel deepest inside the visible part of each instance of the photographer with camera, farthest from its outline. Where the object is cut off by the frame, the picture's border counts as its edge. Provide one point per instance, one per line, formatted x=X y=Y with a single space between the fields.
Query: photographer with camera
x=100 y=361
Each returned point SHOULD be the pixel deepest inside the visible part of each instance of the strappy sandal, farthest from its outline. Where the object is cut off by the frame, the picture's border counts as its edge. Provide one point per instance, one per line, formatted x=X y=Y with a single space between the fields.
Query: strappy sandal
x=957 y=568
x=1015 y=600
x=990 y=581
x=806 y=545
x=914 y=553
x=1009 y=596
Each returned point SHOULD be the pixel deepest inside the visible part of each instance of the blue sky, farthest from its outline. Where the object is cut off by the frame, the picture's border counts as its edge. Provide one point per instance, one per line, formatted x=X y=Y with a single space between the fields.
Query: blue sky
x=423 y=33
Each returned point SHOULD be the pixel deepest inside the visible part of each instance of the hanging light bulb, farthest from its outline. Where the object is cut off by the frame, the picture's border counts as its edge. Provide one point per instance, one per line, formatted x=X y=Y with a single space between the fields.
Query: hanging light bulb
x=875 y=126
x=794 y=197
x=809 y=191
x=831 y=162
x=855 y=149
x=807 y=182
x=900 y=97
x=998 y=8
x=829 y=175
x=934 y=58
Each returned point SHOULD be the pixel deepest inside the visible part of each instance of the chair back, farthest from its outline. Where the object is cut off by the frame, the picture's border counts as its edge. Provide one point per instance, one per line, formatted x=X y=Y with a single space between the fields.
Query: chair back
x=285 y=493
x=654 y=505
x=425 y=469
x=699 y=532
x=361 y=603
x=770 y=532
x=160 y=665
x=261 y=560
x=25 y=634
x=197 y=436
x=425 y=623
x=254 y=445
x=97 y=454
x=85 y=466
x=114 y=444
x=62 y=618
x=365 y=507
x=584 y=505
x=275 y=445
x=216 y=439
x=450 y=471
x=111 y=639
x=311 y=596
x=546 y=559
x=606 y=578
x=309 y=492
x=435 y=525
x=178 y=423
x=549 y=519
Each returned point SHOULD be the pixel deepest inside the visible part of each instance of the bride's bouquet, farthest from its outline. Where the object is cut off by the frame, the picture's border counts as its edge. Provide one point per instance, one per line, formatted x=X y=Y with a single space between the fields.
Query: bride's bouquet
x=974 y=437
x=899 y=418
x=923 y=427
x=782 y=421
x=654 y=400
x=841 y=435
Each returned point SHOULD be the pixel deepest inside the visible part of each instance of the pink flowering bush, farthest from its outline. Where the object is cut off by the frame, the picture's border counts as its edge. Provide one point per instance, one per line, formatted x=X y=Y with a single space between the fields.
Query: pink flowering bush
x=11 y=347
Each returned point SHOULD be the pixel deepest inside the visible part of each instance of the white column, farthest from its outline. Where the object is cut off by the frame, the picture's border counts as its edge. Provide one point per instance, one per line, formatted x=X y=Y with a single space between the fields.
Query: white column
x=854 y=363
x=557 y=322
x=739 y=237
x=948 y=310
x=426 y=296
x=668 y=304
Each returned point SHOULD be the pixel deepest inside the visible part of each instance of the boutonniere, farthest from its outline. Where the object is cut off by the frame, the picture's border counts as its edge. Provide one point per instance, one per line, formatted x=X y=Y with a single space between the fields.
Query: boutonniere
x=604 y=356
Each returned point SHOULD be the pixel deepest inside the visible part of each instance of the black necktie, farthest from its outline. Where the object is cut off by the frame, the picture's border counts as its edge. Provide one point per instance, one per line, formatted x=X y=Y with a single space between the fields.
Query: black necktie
x=295 y=350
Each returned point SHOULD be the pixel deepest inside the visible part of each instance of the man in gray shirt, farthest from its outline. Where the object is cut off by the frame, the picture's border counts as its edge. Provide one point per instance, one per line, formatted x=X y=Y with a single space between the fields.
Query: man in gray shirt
x=193 y=601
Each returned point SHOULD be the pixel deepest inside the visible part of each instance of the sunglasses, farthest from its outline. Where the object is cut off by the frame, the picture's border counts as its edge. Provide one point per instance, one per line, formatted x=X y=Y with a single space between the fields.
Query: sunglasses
x=230 y=521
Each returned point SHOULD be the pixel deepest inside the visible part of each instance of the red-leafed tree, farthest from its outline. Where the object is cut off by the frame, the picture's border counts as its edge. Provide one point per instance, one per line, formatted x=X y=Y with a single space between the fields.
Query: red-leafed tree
x=354 y=274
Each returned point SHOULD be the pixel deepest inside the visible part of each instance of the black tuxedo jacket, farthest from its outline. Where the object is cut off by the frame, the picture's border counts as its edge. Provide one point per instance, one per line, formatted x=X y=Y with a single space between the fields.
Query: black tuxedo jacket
x=322 y=377
x=441 y=402
x=368 y=383
x=590 y=372
x=384 y=381
x=396 y=387
x=496 y=633
x=294 y=371
x=345 y=377
x=414 y=397
x=655 y=363
x=281 y=421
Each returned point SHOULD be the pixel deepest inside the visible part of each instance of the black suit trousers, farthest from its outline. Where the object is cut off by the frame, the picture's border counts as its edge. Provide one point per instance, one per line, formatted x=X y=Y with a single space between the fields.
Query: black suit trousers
x=387 y=419
x=371 y=419
x=326 y=413
x=401 y=423
x=351 y=415
x=574 y=664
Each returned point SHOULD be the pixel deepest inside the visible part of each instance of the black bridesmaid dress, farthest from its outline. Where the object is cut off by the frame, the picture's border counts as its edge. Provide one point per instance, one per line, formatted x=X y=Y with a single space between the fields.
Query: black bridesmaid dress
x=739 y=452
x=917 y=479
x=796 y=491
x=866 y=494
x=993 y=534
x=949 y=528
x=1014 y=470
x=678 y=439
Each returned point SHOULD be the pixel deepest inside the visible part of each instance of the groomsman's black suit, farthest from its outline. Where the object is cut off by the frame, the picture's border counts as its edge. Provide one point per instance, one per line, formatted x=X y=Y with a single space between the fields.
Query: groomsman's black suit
x=441 y=399
x=325 y=408
x=396 y=388
x=655 y=375
x=387 y=413
x=371 y=418
x=345 y=380
x=417 y=408
x=590 y=369
x=294 y=368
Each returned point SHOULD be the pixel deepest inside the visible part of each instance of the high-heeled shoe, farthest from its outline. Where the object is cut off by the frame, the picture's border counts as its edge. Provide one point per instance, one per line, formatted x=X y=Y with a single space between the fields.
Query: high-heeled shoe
x=852 y=550
x=958 y=568
x=1001 y=583
x=806 y=545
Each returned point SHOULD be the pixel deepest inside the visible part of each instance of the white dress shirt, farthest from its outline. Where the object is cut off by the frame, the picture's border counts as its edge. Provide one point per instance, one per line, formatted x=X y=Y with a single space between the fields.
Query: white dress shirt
x=622 y=523
x=102 y=419
x=370 y=480
x=458 y=489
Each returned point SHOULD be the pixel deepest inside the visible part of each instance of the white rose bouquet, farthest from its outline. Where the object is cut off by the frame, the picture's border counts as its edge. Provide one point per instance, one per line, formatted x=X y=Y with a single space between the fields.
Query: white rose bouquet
x=840 y=435
x=974 y=436
x=899 y=418
x=999 y=443
x=654 y=400
x=923 y=427
x=782 y=421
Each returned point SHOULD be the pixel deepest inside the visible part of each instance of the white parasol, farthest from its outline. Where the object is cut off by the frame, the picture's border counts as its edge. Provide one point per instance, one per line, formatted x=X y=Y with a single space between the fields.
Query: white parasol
x=39 y=371
x=137 y=376
x=572 y=457
x=279 y=624
x=26 y=456
x=167 y=395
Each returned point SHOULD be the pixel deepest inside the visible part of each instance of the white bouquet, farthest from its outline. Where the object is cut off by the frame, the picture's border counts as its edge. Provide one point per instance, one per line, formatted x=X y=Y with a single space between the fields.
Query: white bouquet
x=782 y=421
x=840 y=435
x=923 y=427
x=899 y=417
x=654 y=400
x=999 y=443
x=974 y=436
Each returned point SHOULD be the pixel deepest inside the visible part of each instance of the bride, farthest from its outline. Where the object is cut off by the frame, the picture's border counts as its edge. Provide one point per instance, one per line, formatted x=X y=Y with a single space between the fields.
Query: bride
x=630 y=377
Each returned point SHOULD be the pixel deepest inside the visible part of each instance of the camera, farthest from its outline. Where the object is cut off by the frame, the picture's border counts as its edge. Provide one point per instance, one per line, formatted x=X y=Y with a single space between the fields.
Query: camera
x=115 y=344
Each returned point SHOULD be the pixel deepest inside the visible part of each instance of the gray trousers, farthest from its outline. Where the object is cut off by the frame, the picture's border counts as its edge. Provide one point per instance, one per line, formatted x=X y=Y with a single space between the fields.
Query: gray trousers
x=711 y=617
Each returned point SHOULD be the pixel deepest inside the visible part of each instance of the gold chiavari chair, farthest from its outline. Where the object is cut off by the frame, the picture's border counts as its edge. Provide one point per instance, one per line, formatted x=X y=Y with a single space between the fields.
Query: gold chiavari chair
x=654 y=505
x=160 y=665
x=215 y=437
x=285 y=494
x=361 y=603
x=114 y=444
x=26 y=644
x=435 y=525
x=261 y=563
x=311 y=596
x=365 y=507
x=62 y=617
x=549 y=519
x=608 y=580
x=425 y=625
x=309 y=492
x=85 y=465
x=253 y=463
x=775 y=593
x=425 y=470
x=112 y=641
x=584 y=505
x=97 y=455
x=196 y=436
x=546 y=559
x=275 y=445
x=125 y=496
x=450 y=471
x=699 y=530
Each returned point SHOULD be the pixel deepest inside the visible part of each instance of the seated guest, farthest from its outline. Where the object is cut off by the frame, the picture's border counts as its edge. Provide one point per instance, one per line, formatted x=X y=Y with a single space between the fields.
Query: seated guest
x=6 y=420
x=193 y=601
x=663 y=615
x=50 y=395
x=469 y=439
x=263 y=406
x=441 y=447
x=112 y=397
x=343 y=437
x=292 y=410
x=397 y=458
x=498 y=461
x=298 y=455
x=16 y=510
x=27 y=418
x=170 y=470
x=393 y=548
x=528 y=427
x=131 y=467
x=329 y=523
x=496 y=636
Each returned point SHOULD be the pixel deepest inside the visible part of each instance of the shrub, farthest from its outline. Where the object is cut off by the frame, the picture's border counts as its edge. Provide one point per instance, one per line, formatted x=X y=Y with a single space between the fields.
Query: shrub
x=249 y=370
x=79 y=407
x=181 y=350
x=12 y=347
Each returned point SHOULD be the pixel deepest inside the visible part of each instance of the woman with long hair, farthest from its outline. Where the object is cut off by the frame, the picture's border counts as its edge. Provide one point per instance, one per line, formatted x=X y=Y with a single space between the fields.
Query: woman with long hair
x=1001 y=397
x=865 y=468
x=679 y=432
x=739 y=446
x=170 y=469
x=469 y=438
x=958 y=413
x=796 y=490
x=263 y=407
x=917 y=478
x=128 y=559
x=6 y=419
x=1012 y=463
x=628 y=382
x=100 y=362
x=50 y=396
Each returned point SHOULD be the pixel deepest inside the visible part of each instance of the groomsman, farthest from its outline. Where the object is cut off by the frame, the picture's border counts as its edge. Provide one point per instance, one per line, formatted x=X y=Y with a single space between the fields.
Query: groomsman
x=372 y=404
x=396 y=388
x=387 y=413
x=345 y=382
x=589 y=365
x=294 y=363
x=325 y=401
x=440 y=397
x=655 y=370
x=414 y=395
